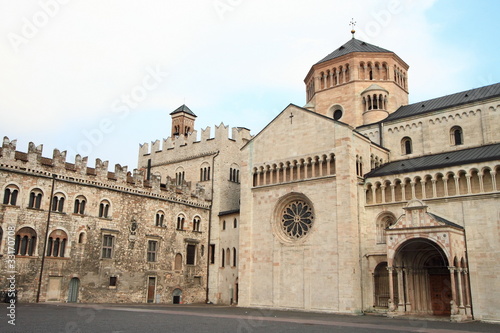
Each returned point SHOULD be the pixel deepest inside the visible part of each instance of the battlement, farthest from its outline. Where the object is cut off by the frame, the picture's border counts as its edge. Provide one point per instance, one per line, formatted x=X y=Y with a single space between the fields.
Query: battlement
x=239 y=135
x=121 y=179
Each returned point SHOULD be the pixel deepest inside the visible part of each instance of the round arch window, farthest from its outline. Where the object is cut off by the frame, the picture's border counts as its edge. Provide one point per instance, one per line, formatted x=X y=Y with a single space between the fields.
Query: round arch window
x=294 y=218
x=337 y=114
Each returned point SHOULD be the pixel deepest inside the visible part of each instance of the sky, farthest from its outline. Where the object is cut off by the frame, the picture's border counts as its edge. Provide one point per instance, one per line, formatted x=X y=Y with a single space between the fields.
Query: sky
x=99 y=78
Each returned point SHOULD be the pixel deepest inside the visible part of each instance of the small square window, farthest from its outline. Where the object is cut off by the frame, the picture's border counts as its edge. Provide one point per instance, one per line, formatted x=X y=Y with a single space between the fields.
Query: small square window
x=112 y=281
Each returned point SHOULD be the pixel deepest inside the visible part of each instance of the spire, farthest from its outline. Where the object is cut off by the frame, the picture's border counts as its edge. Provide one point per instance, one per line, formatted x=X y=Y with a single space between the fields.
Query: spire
x=352 y=24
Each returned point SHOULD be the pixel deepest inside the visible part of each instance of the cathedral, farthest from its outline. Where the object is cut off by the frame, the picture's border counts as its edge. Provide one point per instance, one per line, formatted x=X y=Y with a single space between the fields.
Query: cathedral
x=357 y=202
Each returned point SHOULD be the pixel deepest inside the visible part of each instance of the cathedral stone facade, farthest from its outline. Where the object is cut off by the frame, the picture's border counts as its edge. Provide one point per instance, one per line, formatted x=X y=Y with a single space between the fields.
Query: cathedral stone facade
x=357 y=202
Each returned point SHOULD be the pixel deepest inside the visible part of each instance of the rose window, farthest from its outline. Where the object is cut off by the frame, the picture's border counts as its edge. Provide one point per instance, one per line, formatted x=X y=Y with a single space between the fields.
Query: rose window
x=297 y=219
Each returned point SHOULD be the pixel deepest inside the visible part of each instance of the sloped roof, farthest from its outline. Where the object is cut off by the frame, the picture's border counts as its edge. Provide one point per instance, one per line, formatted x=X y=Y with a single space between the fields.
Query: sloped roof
x=445 y=221
x=374 y=87
x=353 y=45
x=437 y=161
x=183 y=108
x=464 y=97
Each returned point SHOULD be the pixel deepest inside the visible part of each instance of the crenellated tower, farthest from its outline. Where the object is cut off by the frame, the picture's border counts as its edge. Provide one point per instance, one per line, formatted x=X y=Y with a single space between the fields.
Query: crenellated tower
x=182 y=121
x=358 y=84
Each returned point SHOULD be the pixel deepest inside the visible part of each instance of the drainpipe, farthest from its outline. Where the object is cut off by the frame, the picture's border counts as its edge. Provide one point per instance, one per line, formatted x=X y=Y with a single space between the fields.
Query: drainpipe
x=380 y=134
x=358 y=188
x=210 y=227
x=54 y=176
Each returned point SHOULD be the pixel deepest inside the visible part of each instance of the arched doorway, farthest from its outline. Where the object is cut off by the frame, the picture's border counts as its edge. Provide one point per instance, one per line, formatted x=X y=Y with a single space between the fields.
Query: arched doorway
x=74 y=285
x=422 y=278
x=381 y=286
x=177 y=296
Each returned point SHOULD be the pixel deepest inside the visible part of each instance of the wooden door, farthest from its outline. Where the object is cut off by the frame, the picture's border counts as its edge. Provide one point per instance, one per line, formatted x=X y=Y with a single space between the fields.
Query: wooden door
x=74 y=285
x=151 y=289
x=440 y=294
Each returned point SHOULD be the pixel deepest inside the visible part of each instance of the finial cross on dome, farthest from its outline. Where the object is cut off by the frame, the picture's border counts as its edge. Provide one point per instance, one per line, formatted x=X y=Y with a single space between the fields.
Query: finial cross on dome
x=352 y=24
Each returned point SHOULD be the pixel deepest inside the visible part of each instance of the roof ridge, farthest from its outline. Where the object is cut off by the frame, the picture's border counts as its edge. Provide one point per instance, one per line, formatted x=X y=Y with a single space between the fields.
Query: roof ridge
x=353 y=45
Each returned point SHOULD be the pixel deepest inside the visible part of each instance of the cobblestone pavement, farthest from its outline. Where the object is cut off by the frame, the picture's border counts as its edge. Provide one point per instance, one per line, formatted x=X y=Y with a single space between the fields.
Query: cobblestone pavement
x=114 y=318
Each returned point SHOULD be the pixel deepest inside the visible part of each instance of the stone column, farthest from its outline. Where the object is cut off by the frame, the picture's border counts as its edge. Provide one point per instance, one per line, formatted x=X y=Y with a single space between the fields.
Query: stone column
x=453 y=285
x=393 y=193
x=434 y=191
x=408 y=288
x=467 y=293
x=460 y=289
x=493 y=180
x=328 y=164
x=391 y=289
x=382 y=191
x=424 y=195
x=401 y=290
x=412 y=184
x=481 y=184
x=403 y=192
x=469 y=187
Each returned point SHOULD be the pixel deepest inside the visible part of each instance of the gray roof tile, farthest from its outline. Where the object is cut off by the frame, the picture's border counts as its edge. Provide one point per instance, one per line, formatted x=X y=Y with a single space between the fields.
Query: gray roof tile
x=353 y=45
x=437 y=161
x=445 y=221
x=183 y=108
x=464 y=97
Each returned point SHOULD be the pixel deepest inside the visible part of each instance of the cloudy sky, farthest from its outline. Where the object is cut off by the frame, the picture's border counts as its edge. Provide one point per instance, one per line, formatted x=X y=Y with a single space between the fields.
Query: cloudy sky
x=99 y=78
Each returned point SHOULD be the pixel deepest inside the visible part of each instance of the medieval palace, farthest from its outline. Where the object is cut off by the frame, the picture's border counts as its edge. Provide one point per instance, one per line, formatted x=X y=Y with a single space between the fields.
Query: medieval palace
x=356 y=202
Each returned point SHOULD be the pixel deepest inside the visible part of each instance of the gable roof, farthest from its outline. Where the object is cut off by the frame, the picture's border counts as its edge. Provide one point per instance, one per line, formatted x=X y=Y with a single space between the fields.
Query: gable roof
x=353 y=45
x=437 y=161
x=445 y=221
x=464 y=97
x=183 y=108
x=302 y=109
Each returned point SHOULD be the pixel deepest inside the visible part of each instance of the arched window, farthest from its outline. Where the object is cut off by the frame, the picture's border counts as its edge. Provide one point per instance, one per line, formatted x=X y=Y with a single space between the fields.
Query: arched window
x=58 y=202
x=224 y=225
x=35 y=199
x=10 y=195
x=383 y=222
x=25 y=242
x=456 y=136
x=178 y=262
x=56 y=247
x=104 y=209
x=179 y=177
x=160 y=216
x=180 y=222
x=234 y=257
x=228 y=257
x=223 y=258
x=235 y=223
x=1 y=237
x=82 y=238
x=205 y=172
x=406 y=146
x=196 y=224
x=80 y=203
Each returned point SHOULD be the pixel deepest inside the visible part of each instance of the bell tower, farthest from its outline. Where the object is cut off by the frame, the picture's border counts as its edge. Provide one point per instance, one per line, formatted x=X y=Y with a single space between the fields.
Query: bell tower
x=357 y=84
x=182 y=121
